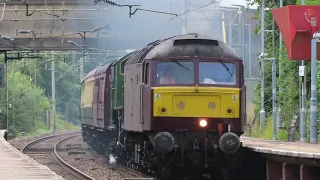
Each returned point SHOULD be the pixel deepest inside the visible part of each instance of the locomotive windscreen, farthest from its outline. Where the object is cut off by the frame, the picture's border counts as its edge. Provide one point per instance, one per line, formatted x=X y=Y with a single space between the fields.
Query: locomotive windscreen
x=217 y=73
x=175 y=72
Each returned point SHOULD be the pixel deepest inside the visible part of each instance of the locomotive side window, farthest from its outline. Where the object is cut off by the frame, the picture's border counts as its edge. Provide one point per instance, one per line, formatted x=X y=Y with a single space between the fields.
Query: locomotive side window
x=175 y=72
x=123 y=63
x=146 y=73
x=112 y=77
x=217 y=73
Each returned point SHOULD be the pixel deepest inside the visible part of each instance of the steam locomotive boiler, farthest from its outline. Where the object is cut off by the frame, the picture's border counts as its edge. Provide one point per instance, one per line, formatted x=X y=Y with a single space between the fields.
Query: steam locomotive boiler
x=177 y=105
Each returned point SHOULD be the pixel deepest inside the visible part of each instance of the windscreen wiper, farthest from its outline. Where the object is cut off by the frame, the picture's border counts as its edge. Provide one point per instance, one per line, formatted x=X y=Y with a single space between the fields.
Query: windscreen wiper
x=180 y=64
x=225 y=66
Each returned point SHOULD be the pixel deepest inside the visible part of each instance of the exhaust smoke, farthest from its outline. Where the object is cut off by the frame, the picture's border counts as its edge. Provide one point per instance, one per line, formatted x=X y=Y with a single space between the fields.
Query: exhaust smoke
x=112 y=159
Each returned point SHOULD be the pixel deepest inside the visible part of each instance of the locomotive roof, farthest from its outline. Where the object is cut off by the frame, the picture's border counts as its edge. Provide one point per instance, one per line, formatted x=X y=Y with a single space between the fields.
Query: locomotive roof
x=91 y=73
x=104 y=67
x=125 y=57
x=98 y=70
x=192 y=44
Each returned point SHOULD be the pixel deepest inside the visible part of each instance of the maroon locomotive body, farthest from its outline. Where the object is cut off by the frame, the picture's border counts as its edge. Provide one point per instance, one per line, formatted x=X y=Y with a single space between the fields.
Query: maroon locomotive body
x=176 y=105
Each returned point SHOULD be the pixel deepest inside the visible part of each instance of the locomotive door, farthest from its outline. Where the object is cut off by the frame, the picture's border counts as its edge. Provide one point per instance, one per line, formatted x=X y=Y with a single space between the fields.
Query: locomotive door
x=95 y=101
x=146 y=103
x=100 y=101
x=136 y=98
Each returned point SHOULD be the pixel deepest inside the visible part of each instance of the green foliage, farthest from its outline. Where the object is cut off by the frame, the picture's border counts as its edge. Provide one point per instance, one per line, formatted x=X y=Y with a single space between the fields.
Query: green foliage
x=288 y=80
x=30 y=88
x=67 y=83
x=268 y=131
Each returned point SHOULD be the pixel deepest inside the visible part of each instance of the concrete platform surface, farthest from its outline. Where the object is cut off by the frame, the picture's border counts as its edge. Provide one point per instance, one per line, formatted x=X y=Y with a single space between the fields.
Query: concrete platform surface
x=293 y=149
x=17 y=166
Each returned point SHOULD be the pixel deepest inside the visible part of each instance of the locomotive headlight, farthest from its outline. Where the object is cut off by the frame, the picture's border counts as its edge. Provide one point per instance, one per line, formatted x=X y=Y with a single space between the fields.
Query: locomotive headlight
x=203 y=123
x=211 y=105
x=180 y=105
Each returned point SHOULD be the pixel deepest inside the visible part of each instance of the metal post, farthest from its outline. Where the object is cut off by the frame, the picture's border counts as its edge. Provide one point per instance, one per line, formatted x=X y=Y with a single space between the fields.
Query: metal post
x=262 y=112
x=239 y=32
x=300 y=98
x=249 y=49
x=274 y=86
x=242 y=34
x=230 y=29
x=274 y=98
x=185 y=24
x=313 y=99
x=81 y=66
x=35 y=86
x=53 y=86
x=13 y=123
x=280 y=90
x=7 y=88
x=303 y=102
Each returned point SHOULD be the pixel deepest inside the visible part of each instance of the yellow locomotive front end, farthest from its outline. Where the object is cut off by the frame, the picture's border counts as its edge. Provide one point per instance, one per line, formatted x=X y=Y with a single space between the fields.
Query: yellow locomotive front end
x=195 y=101
x=187 y=92
x=198 y=106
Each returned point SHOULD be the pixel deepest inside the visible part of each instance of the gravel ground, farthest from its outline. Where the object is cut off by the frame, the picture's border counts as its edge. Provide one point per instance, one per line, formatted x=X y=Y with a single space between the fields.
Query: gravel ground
x=89 y=162
x=19 y=143
x=42 y=153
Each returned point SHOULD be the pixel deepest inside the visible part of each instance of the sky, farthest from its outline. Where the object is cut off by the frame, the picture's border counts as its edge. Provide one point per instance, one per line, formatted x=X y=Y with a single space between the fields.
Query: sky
x=240 y=2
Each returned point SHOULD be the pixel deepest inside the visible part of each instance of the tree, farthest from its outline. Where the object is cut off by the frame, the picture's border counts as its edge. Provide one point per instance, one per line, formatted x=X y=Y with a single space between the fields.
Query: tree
x=28 y=103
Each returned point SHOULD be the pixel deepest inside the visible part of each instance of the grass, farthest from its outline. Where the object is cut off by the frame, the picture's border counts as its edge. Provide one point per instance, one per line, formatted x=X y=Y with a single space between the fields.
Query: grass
x=267 y=133
x=250 y=113
x=42 y=128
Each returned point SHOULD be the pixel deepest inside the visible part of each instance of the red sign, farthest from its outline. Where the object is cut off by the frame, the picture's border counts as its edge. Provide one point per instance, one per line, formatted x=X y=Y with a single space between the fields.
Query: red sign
x=295 y=24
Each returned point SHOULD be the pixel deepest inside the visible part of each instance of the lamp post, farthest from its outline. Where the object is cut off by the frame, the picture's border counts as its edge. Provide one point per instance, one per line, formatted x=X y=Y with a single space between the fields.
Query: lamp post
x=7 y=81
x=303 y=84
x=241 y=28
x=313 y=99
x=262 y=111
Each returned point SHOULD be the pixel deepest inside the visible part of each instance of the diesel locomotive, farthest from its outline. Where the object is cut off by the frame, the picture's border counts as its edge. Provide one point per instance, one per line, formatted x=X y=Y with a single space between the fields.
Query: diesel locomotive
x=176 y=106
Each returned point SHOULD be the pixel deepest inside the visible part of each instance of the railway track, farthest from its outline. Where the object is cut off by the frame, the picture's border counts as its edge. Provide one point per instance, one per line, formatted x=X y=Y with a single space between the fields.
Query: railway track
x=71 y=169
x=45 y=153
x=117 y=167
x=123 y=169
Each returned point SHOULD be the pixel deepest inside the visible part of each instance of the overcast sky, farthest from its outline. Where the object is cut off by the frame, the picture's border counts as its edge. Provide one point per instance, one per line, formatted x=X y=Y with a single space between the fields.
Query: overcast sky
x=229 y=2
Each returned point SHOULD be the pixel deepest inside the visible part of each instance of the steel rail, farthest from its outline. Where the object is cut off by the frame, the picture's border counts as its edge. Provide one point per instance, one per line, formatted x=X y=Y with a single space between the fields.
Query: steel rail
x=71 y=169
x=45 y=138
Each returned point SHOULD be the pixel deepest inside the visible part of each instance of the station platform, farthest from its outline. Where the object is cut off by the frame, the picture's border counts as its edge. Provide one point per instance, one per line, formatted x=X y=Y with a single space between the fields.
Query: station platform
x=274 y=147
x=15 y=165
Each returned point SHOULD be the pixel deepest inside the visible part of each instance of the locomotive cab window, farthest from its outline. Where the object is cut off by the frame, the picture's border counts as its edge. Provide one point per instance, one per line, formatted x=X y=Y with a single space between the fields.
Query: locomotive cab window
x=175 y=72
x=217 y=73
